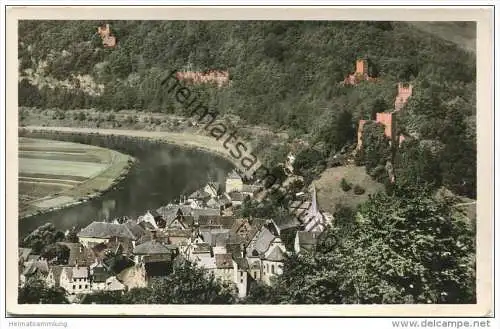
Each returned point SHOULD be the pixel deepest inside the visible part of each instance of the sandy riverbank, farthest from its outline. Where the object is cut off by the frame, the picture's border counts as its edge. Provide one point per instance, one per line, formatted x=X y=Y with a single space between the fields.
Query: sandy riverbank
x=44 y=184
x=185 y=139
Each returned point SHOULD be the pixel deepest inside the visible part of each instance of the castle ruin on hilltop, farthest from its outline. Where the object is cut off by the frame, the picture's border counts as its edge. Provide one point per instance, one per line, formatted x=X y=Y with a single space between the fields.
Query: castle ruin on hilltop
x=361 y=74
x=108 y=40
x=388 y=119
x=220 y=78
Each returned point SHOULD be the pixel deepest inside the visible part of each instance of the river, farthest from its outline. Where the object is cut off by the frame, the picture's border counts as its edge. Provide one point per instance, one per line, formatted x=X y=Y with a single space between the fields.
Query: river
x=163 y=173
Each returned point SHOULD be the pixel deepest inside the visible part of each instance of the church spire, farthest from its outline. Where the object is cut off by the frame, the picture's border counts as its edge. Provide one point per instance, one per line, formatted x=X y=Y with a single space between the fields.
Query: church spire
x=314 y=204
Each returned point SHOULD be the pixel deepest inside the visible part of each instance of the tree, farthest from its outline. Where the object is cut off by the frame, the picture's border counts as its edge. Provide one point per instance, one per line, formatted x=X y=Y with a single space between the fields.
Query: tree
x=307 y=163
x=44 y=235
x=36 y=292
x=57 y=252
x=104 y=297
x=358 y=190
x=376 y=149
x=72 y=236
x=402 y=248
x=416 y=163
x=346 y=186
x=337 y=131
x=260 y=293
x=187 y=284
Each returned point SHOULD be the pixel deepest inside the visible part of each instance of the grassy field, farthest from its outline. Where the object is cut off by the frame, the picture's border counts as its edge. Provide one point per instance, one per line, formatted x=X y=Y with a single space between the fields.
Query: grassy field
x=330 y=193
x=54 y=174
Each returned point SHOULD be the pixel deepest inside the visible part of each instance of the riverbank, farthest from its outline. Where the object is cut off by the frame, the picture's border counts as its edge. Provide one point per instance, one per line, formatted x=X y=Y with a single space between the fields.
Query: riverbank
x=54 y=175
x=183 y=139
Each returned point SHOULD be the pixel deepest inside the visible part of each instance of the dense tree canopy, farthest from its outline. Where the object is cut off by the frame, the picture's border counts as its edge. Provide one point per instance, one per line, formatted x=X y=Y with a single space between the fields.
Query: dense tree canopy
x=36 y=292
x=404 y=248
x=42 y=237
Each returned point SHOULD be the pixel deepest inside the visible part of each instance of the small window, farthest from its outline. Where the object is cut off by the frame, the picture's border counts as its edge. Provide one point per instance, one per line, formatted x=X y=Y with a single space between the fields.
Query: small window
x=254 y=274
x=241 y=280
x=86 y=286
x=272 y=269
x=80 y=286
x=74 y=287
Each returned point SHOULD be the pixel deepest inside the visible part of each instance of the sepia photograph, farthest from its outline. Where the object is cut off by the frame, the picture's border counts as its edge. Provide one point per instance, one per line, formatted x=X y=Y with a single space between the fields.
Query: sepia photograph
x=277 y=161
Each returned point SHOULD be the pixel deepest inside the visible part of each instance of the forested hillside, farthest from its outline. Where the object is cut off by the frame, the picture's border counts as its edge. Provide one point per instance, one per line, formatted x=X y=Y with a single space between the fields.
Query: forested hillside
x=283 y=74
x=407 y=244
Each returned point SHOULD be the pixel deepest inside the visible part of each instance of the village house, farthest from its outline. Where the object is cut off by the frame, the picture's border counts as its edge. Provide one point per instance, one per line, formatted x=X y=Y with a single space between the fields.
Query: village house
x=234 y=183
x=237 y=198
x=102 y=232
x=263 y=259
x=103 y=280
x=156 y=257
x=154 y=219
x=241 y=275
x=78 y=254
x=212 y=188
x=178 y=237
x=36 y=269
x=75 y=280
x=224 y=267
x=272 y=262
x=54 y=276
x=199 y=196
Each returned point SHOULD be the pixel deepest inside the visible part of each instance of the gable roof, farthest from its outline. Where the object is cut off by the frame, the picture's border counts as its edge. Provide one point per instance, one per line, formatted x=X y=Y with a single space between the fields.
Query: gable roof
x=215 y=237
x=80 y=272
x=68 y=270
x=112 y=283
x=78 y=254
x=276 y=255
x=201 y=248
x=214 y=186
x=146 y=225
x=224 y=261
x=100 y=274
x=199 y=195
x=35 y=266
x=152 y=247
x=238 y=223
x=56 y=271
x=216 y=221
x=76 y=272
x=108 y=230
x=264 y=237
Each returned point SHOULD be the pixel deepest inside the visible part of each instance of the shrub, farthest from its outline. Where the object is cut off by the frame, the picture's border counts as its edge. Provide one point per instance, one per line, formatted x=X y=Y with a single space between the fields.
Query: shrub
x=358 y=190
x=346 y=186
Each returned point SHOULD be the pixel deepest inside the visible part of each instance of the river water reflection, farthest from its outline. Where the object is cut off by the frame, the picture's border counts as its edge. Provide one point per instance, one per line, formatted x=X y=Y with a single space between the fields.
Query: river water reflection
x=162 y=174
